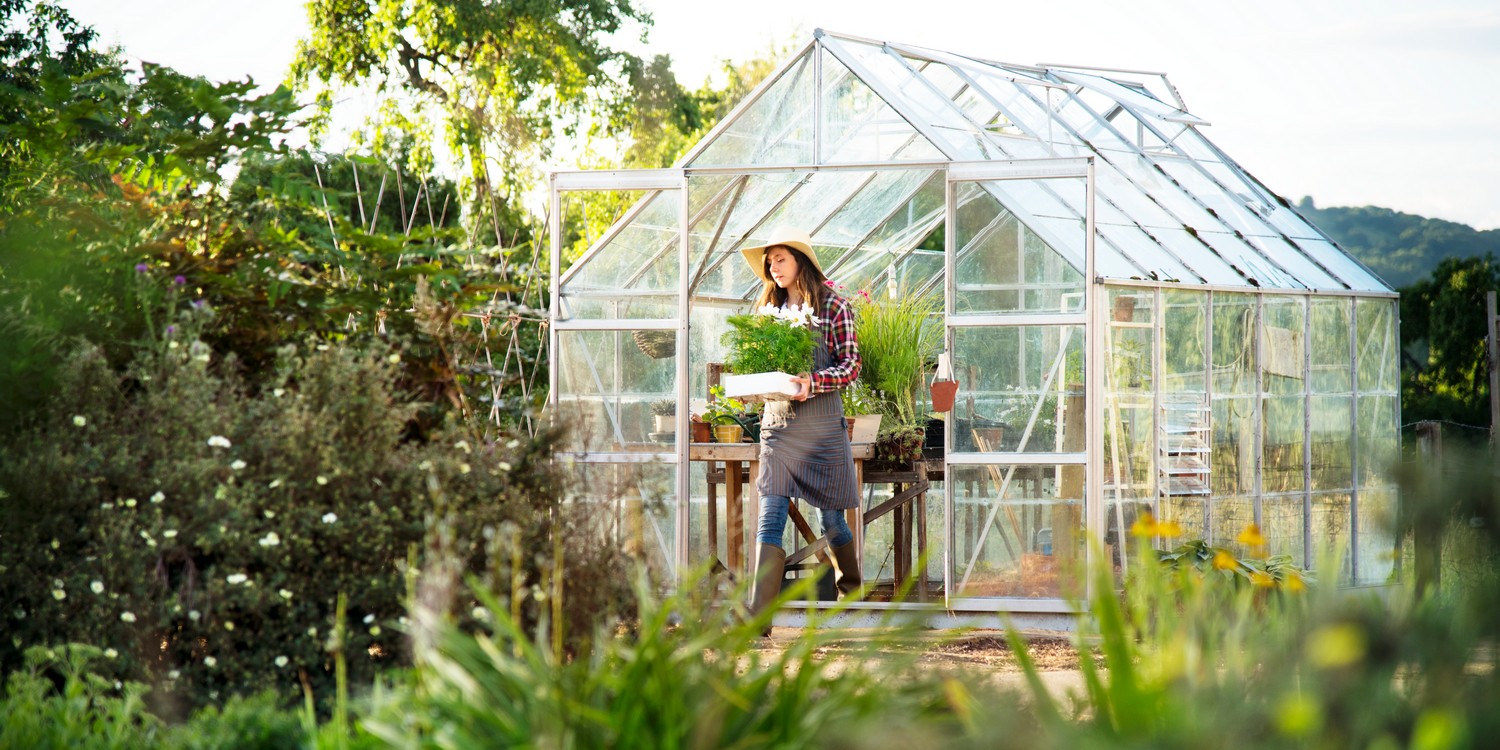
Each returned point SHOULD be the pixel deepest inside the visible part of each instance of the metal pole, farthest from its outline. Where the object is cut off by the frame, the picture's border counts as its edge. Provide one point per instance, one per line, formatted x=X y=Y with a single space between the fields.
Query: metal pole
x=1492 y=332
x=1427 y=536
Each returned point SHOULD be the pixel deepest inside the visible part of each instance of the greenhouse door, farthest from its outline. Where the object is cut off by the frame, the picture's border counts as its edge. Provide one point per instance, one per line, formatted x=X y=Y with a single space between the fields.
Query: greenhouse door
x=1019 y=493
x=617 y=341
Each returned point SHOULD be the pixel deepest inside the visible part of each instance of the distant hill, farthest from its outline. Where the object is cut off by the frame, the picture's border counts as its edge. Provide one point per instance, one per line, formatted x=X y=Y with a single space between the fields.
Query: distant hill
x=1402 y=248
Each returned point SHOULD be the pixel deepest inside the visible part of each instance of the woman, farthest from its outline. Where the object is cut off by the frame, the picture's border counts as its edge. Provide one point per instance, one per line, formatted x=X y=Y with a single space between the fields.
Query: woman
x=805 y=454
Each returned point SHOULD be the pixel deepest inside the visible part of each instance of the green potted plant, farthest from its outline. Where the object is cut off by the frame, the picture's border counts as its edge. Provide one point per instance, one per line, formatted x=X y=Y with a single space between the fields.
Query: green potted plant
x=861 y=406
x=723 y=413
x=664 y=415
x=899 y=339
x=766 y=348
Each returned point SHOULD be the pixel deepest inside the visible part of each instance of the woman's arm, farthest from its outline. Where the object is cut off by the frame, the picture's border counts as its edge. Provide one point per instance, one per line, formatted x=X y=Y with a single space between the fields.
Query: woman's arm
x=842 y=344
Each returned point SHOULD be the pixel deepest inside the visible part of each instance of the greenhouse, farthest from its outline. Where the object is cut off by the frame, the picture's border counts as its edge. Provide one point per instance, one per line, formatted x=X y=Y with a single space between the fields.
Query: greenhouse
x=1137 y=326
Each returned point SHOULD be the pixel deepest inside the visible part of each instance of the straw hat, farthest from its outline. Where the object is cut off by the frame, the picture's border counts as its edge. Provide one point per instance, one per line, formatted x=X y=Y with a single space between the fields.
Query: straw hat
x=790 y=237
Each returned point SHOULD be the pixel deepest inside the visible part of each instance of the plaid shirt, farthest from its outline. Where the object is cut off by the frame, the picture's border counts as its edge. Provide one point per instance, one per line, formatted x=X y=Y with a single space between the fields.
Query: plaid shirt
x=843 y=346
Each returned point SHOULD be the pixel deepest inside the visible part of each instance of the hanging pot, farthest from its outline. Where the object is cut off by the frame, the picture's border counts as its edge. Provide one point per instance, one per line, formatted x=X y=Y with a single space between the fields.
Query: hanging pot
x=944 y=387
x=656 y=344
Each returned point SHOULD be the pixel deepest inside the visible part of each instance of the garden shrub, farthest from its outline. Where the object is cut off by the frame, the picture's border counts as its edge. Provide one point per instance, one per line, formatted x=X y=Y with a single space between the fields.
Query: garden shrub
x=201 y=530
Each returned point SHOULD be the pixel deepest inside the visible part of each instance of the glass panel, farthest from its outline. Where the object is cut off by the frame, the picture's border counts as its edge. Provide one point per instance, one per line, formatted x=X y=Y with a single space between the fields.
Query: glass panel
x=1378 y=440
x=642 y=500
x=1019 y=381
x=1346 y=268
x=1332 y=442
x=1330 y=345
x=1234 y=395
x=642 y=255
x=882 y=545
x=958 y=139
x=776 y=129
x=1129 y=426
x=1244 y=258
x=1188 y=512
x=1332 y=522
x=1282 y=522
x=1199 y=257
x=860 y=126
x=1228 y=517
x=1375 y=337
x=1283 y=384
x=1018 y=530
x=1291 y=259
x=1185 y=327
x=1375 y=560
x=606 y=384
x=1004 y=266
x=883 y=211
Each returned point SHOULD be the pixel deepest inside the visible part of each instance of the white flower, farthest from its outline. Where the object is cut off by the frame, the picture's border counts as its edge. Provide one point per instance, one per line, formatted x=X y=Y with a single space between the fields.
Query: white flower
x=237 y=465
x=284 y=594
x=97 y=587
x=464 y=468
x=279 y=392
x=269 y=513
x=236 y=578
x=169 y=533
x=270 y=540
x=330 y=518
x=281 y=661
x=127 y=617
x=322 y=479
x=218 y=441
x=110 y=653
x=174 y=674
x=462 y=445
x=80 y=420
x=274 y=484
x=210 y=661
x=312 y=632
x=394 y=359
x=59 y=594
x=369 y=619
x=130 y=502
x=503 y=465
x=157 y=498
x=193 y=615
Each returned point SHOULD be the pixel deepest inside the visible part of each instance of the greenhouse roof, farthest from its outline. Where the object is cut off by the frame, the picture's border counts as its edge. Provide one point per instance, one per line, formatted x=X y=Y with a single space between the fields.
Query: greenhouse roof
x=852 y=138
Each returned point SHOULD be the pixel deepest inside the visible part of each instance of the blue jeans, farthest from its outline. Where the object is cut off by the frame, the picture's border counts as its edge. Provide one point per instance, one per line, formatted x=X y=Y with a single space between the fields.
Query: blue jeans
x=772 y=524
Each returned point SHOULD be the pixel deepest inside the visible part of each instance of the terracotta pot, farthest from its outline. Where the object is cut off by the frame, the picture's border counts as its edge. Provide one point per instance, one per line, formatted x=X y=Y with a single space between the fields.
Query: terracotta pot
x=849 y=424
x=702 y=432
x=943 y=394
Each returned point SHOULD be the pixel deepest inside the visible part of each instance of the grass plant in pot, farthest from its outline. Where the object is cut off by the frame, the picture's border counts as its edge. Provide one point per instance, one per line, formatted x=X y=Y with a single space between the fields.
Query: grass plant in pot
x=900 y=337
x=664 y=416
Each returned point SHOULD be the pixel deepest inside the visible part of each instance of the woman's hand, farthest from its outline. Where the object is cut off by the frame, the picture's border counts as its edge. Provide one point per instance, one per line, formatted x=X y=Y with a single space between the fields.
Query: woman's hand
x=804 y=387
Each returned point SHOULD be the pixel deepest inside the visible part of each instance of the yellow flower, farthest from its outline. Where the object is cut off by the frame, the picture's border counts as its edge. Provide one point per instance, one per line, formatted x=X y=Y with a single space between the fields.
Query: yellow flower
x=1224 y=561
x=1147 y=526
x=1261 y=579
x=1294 y=583
x=1252 y=538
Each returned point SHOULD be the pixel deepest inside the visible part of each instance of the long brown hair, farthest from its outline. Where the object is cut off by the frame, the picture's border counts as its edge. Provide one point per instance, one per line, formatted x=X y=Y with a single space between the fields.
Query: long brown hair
x=809 y=282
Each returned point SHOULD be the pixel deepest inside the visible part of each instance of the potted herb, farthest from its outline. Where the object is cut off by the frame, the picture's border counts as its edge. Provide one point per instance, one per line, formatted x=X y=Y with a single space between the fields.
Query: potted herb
x=723 y=413
x=766 y=348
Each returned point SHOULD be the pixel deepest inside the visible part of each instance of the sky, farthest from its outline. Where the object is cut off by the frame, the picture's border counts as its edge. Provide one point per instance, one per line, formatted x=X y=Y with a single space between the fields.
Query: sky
x=1353 y=102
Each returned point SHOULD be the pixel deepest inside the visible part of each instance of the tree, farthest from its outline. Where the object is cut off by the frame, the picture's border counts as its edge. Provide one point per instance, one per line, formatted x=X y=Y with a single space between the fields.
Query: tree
x=1445 y=373
x=499 y=76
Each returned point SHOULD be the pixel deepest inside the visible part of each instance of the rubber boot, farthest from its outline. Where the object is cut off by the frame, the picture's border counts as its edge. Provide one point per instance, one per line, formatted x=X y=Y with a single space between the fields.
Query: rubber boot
x=770 y=567
x=847 y=577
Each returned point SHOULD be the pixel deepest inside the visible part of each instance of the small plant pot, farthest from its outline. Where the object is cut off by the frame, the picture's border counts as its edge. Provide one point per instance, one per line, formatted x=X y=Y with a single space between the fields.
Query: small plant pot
x=665 y=422
x=728 y=433
x=943 y=394
x=703 y=432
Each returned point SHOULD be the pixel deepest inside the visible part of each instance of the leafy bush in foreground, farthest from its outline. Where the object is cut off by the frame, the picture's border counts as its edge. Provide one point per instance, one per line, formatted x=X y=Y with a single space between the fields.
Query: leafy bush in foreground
x=200 y=532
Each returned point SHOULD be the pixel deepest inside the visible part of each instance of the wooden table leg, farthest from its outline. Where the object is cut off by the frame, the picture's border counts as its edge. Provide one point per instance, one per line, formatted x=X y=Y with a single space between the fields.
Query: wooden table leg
x=752 y=501
x=713 y=517
x=855 y=516
x=920 y=506
x=898 y=535
x=734 y=509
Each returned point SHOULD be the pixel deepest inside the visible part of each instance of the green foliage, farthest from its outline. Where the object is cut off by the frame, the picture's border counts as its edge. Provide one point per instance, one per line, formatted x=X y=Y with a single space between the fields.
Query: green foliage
x=203 y=529
x=899 y=340
x=1445 y=373
x=758 y=342
x=859 y=399
x=721 y=409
